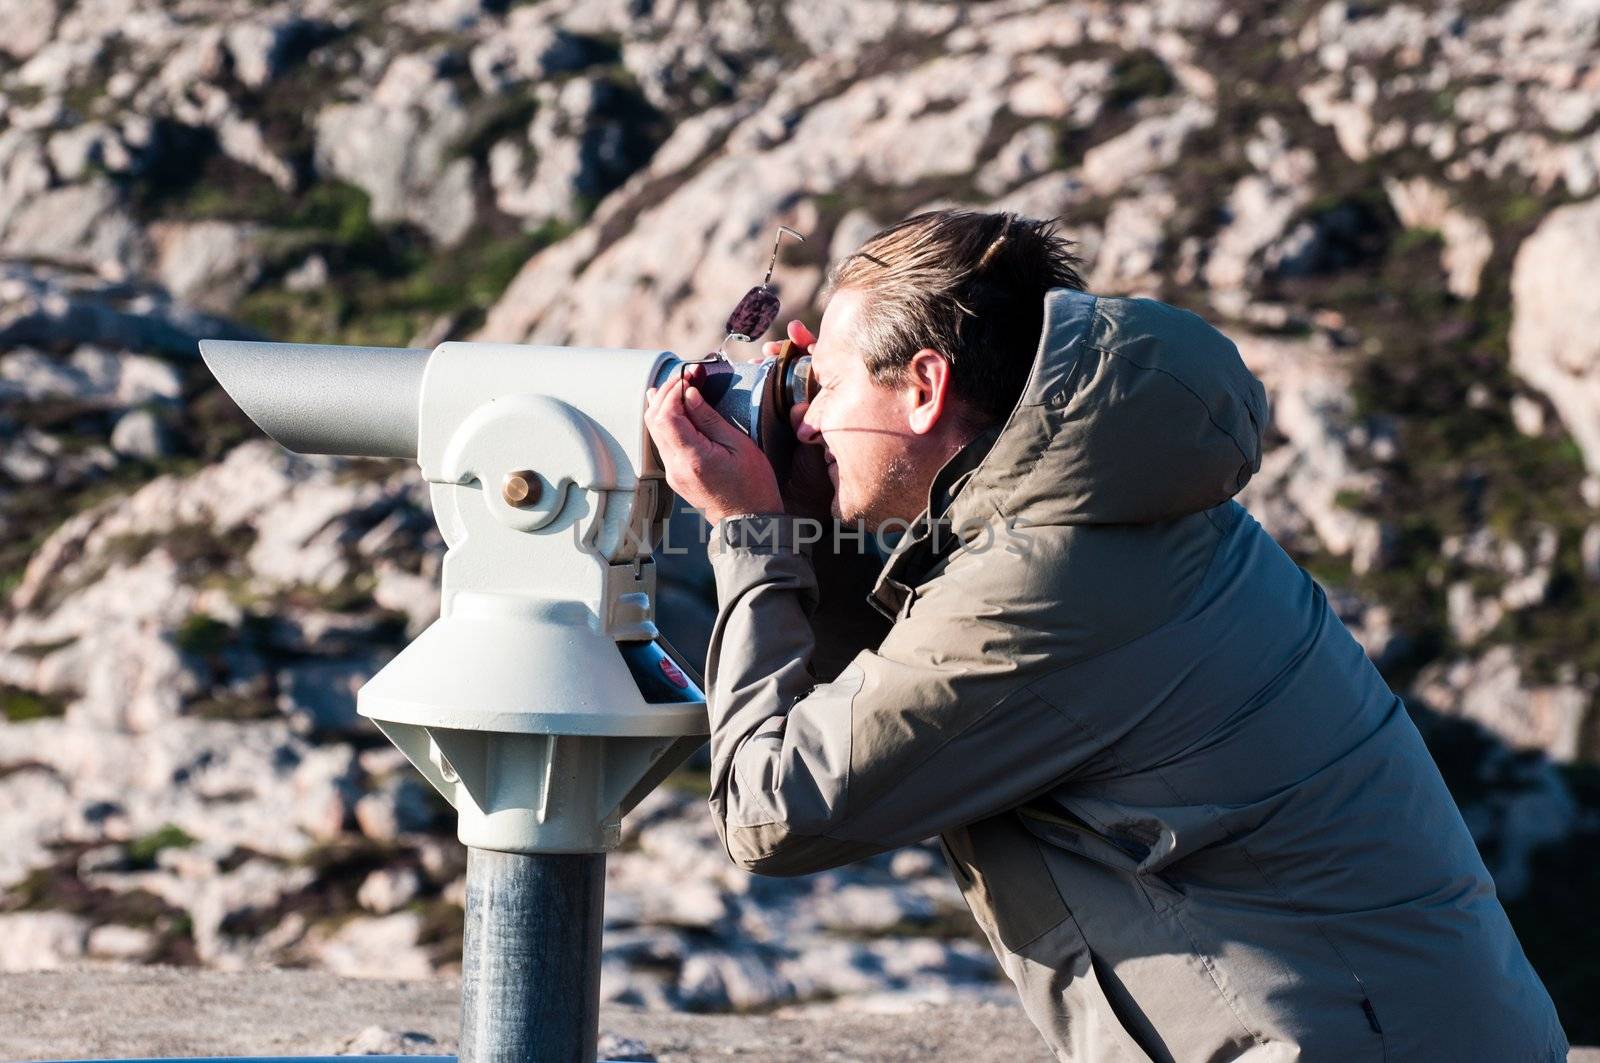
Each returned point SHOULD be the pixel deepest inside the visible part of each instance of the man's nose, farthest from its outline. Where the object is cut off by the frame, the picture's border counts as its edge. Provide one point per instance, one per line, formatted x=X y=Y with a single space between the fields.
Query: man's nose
x=808 y=431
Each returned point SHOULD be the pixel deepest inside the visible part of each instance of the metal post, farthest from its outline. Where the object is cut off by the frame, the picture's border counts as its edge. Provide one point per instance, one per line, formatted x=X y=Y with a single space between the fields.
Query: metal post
x=530 y=979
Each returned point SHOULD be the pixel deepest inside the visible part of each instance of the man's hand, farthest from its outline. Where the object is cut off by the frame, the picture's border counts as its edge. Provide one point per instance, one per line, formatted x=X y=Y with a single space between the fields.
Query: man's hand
x=712 y=465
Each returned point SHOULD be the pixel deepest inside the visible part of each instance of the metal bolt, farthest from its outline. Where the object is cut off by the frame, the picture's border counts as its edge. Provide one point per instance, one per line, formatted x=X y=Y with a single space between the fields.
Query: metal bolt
x=521 y=489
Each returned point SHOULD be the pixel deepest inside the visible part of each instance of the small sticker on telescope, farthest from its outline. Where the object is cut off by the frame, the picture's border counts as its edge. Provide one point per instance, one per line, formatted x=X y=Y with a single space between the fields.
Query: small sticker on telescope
x=673 y=673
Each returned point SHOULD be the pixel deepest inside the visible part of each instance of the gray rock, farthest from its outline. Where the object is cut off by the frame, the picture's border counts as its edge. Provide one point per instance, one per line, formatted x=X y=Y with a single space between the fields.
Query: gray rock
x=853 y=230
x=309 y=276
x=402 y=804
x=1423 y=204
x=26 y=26
x=575 y=149
x=1028 y=154
x=126 y=944
x=1296 y=495
x=1590 y=552
x=397 y=146
x=869 y=909
x=321 y=695
x=1555 y=331
x=31 y=457
x=209 y=263
x=385 y=890
x=721 y=980
x=244 y=141
x=619 y=1047
x=49 y=307
x=1152 y=145
x=1491 y=691
x=527 y=49
x=1471 y=618
x=90 y=376
x=382 y=1041
x=142 y=434
x=914 y=862
x=77 y=225
x=41 y=941
x=1259 y=211
x=376 y=947
x=73 y=152
x=259 y=48
x=1129 y=256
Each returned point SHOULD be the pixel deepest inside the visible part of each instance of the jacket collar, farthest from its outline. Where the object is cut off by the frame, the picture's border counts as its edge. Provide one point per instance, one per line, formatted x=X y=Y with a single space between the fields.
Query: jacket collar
x=929 y=537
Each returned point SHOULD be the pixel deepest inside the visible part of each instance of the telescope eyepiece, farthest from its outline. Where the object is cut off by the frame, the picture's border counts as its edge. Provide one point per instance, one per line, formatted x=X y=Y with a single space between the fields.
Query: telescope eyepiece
x=755 y=397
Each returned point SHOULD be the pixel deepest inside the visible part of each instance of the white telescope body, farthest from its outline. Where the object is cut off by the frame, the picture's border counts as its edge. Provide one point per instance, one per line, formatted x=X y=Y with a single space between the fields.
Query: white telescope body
x=542 y=703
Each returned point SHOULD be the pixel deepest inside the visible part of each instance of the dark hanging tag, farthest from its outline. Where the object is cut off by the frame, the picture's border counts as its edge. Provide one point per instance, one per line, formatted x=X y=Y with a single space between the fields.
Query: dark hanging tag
x=755 y=314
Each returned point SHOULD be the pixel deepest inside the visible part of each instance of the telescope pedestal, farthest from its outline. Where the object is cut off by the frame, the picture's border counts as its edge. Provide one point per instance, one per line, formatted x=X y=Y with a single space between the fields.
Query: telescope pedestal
x=530 y=978
x=542 y=704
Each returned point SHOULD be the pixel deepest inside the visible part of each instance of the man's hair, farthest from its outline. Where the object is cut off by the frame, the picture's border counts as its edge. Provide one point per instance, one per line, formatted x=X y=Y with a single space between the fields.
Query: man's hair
x=969 y=285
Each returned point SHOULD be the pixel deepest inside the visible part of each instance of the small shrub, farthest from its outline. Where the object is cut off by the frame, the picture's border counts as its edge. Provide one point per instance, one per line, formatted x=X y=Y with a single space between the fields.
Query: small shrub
x=142 y=851
x=1139 y=75
x=21 y=706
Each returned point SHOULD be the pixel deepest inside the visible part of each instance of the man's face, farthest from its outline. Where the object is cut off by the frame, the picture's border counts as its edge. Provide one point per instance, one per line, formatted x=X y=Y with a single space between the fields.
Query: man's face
x=880 y=467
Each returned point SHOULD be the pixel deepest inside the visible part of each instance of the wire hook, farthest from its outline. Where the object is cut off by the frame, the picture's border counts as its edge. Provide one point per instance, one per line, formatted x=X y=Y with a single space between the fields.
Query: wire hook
x=777 y=241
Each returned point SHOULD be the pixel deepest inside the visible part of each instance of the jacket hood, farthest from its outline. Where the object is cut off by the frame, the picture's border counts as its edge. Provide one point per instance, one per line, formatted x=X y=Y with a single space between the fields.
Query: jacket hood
x=1135 y=412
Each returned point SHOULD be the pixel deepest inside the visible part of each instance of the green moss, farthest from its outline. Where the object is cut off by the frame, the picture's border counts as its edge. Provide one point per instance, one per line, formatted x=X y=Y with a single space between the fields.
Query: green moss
x=201 y=634
x=57 y=887
x=1522 y=209
x=1347 y=499
x=493 y=119
x=20 y=706
x=234 y=708
x=37 y=650
x=389 y=284
x=1138 y=75
x=1412 y=239
x=142 y=851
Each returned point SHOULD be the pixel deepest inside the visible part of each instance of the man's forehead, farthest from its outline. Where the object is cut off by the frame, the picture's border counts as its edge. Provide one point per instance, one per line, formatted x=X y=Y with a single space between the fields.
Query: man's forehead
x=835 y=333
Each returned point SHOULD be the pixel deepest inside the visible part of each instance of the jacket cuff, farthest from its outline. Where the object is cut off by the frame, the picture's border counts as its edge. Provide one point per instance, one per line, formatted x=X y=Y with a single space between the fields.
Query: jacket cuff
x=759 y=533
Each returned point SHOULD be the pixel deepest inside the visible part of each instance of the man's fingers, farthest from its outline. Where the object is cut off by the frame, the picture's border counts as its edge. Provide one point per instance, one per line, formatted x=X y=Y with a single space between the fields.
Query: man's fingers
x=801 y=335
x=668 y=424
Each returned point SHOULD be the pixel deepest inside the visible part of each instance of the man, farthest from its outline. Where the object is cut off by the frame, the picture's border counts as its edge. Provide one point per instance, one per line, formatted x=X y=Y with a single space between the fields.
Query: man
x=1192 y=819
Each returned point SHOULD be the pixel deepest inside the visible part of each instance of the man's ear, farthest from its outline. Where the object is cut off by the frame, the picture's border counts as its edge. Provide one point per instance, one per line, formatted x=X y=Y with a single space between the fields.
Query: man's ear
x=927 y=386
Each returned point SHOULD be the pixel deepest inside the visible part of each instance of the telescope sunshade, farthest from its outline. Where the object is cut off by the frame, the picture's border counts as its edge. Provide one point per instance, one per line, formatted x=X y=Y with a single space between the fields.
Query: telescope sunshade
x=324 y=399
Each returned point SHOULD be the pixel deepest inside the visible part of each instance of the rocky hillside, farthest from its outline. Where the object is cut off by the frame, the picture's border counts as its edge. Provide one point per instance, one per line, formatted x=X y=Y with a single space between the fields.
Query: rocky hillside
x=1395 y=210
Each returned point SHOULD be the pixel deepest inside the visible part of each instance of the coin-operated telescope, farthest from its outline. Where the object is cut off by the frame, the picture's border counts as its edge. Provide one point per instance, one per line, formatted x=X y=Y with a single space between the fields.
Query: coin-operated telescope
x=543 y=703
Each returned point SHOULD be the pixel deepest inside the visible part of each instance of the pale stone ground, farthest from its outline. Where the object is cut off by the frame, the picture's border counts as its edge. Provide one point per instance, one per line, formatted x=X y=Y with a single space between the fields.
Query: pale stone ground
x=150 y=1011
x=147 y=1011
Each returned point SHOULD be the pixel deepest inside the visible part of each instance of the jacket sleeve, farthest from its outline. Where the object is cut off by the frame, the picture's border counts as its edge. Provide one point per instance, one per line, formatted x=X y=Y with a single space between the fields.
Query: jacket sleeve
x=935 y=728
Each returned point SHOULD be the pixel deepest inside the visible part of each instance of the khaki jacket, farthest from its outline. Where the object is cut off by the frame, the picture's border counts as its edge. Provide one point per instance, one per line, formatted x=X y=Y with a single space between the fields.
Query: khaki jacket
x=1190 y=816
